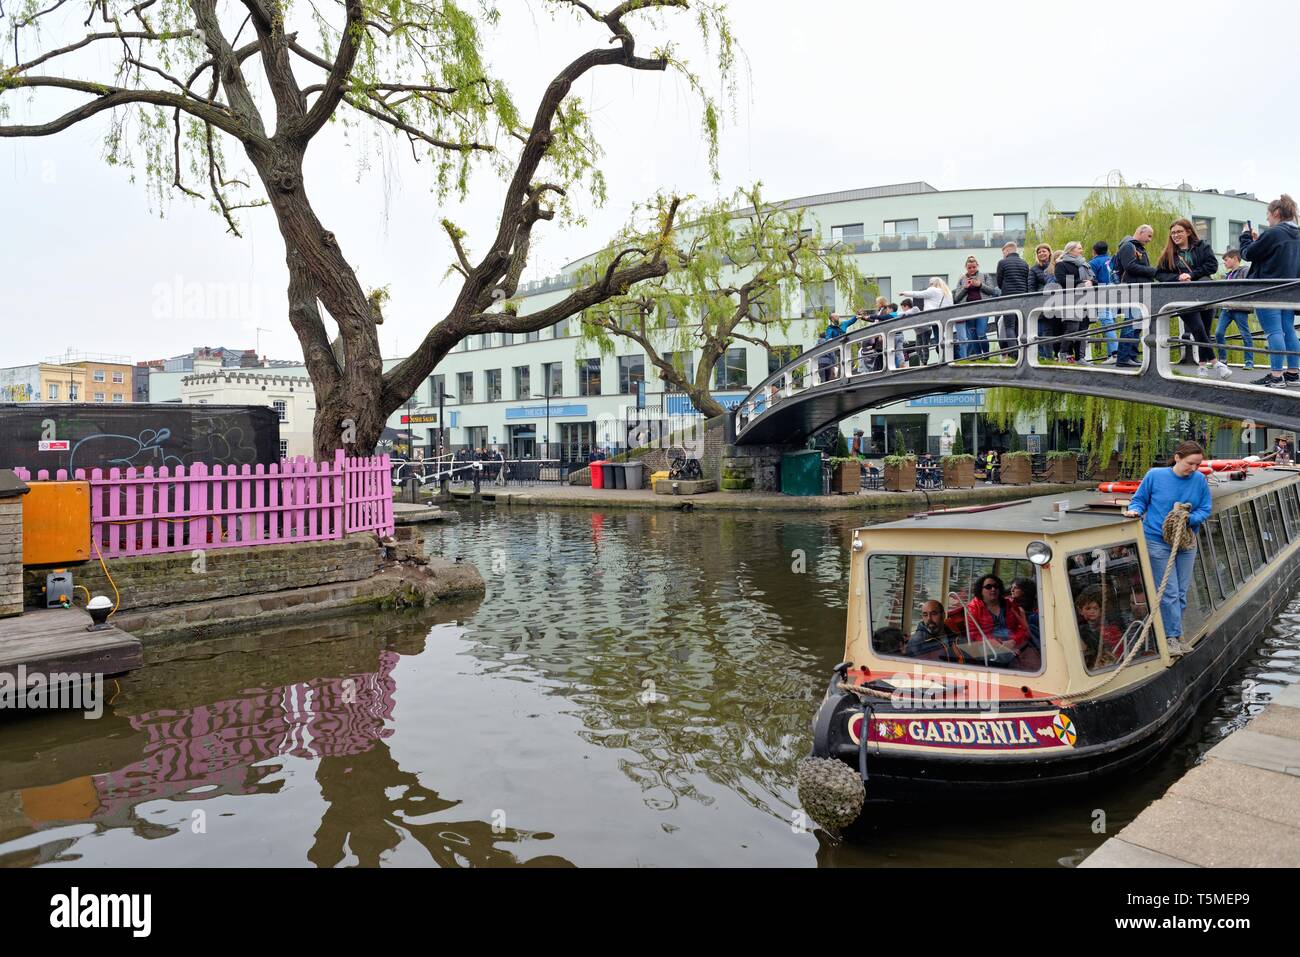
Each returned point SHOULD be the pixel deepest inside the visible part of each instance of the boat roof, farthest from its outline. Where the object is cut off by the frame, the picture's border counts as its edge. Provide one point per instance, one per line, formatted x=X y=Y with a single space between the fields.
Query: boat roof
x=1029 y=516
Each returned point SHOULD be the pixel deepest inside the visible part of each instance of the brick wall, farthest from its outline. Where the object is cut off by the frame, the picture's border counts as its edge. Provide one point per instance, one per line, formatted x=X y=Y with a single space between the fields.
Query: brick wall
x=221 y=572
x=11 y=556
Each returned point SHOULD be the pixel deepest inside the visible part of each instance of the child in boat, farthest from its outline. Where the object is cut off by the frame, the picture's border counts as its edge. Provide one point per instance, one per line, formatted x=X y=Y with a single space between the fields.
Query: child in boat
x=1100 y=638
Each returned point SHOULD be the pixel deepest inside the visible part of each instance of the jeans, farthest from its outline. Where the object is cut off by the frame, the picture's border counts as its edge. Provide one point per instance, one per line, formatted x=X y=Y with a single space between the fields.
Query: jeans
x=1008 y=333
x=977 y=332
x=1226 y=318
x=1049 y=327
x=1174 y=600
x=1129 y=340
x=960 y=345
x=1279 y=326
x=1107 y=320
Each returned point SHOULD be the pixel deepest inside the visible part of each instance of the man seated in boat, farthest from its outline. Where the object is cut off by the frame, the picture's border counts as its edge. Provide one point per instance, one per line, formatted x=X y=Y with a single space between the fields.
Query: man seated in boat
x=934 y=636
x=1100 y=638
x=995 y=626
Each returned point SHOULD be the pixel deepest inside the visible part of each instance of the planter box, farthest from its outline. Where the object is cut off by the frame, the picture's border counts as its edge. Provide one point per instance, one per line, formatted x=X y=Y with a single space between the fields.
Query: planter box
x=1017 y=471
x=960 y=475
x=665 y=486
x=900 y=478
x=846 y=478
x=1065 y=471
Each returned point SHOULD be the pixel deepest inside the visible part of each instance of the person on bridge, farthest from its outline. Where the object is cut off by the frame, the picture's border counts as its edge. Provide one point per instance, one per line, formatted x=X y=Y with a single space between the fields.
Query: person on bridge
x=936 y=295
x=1101 y=269
x=1134 y=267
x=1275 y=254
x=1072 y=272
x=1235 y=269
x=1188 y=258
x=972 y=287
x=1012 y=277
x=1160 y=491
x=1041 y=275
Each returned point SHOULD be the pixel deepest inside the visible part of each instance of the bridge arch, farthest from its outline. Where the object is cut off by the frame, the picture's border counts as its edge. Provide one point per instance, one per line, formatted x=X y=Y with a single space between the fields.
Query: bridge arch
x=925 y=354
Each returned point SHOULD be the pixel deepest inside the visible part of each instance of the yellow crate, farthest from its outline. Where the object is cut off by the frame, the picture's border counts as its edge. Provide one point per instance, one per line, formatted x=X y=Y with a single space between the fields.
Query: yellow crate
x=655 y=476
x=56 y=523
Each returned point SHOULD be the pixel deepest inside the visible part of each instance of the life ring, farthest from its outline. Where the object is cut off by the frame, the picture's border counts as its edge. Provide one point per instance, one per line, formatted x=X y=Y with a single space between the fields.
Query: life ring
x=1123 y=488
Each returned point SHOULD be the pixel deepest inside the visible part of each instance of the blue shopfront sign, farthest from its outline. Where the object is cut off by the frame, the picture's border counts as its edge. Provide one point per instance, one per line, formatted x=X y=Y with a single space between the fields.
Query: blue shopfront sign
x=951 y=398
x=539 y=411
x=679 y=404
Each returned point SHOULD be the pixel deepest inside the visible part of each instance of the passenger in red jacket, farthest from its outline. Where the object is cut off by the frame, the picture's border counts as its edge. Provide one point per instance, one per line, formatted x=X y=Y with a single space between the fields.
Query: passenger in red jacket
x=993 y=617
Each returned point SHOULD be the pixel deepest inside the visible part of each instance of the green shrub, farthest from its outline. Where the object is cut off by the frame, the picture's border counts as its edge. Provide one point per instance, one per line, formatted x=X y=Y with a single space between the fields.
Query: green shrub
x=1014 y=455
x=957 y=458
x=898 y=461
x=1061 y=455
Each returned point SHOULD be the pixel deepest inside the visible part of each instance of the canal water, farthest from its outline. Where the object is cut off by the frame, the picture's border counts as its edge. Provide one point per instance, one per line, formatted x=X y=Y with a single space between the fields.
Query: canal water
x=635 y=689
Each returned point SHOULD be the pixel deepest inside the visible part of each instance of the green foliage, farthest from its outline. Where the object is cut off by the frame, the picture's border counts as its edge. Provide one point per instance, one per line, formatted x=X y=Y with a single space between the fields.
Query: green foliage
x=736 y=269
x=841 y=446
x=1110 y=212
x=900 y=443
x=958 y=444
x=838 y=460
x=899 y=461
x=1015 y=456
x=957 y=458
x=1059 y=454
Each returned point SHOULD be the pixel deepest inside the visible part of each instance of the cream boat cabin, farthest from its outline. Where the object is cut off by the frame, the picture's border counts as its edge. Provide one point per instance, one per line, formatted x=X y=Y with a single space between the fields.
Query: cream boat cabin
x=940 y=688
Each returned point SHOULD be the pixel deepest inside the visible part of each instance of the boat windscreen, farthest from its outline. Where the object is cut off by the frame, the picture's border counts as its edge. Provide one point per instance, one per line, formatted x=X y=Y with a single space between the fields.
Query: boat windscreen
x=974 y=611
x=1109 y=593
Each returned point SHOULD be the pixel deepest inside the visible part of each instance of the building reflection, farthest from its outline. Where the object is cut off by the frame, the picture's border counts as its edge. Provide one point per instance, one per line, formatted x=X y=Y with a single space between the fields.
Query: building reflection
x=238 y=744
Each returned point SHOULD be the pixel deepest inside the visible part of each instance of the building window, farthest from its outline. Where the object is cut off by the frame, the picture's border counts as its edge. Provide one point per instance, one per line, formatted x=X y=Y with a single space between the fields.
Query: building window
x=523 y=389
x=589 y=376
x=73 y=392
x=1235 y=229
x=119 y=378
x=920 y=284
x=730 y=372
x=54 y=391
x=492 y=380
x=560 y=329
x=437 y=384
x=683 y=362
x=507 y=338
x=99 y=397
x=281 y=409
x=762 y=305
x=552 y=378
x=777 y=356
x=533 y=336
x=819 y=299
x=1010 y=222
x=899 y=227
x=118 y=397
x=882 y=284
x=464 y=386
x=1066 y=214
x=956 y=224
x=852 y=233
x=99 y=375
x=1204 y=229
x=631 y=373
x=284 y=449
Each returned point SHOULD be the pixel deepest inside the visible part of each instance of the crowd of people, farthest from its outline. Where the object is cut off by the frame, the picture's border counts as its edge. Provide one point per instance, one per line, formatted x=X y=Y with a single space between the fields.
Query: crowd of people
x=1270 y=254
x=997 y=626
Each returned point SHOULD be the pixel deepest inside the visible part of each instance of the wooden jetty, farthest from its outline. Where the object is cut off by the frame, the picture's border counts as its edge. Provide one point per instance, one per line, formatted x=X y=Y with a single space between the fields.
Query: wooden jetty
x=55 y=640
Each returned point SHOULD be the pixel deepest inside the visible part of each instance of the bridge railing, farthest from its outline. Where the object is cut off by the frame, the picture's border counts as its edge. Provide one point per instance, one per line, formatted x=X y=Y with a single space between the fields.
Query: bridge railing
x=1028 y=336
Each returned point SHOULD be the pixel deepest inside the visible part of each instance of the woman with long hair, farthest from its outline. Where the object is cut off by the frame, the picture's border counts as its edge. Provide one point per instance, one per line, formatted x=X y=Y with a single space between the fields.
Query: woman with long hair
x=1188 y=258
x=936 y=295
x=1073 y=272
x=1160 y=491
x=991 y=616
x=1275 y=254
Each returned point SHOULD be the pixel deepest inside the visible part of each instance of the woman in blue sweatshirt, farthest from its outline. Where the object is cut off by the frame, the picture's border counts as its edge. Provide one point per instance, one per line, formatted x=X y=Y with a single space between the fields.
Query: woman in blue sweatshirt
x=1155 y=498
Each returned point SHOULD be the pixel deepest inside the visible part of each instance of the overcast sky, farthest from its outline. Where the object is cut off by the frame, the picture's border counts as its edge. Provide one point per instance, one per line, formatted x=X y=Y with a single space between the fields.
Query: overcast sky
x=832 y=95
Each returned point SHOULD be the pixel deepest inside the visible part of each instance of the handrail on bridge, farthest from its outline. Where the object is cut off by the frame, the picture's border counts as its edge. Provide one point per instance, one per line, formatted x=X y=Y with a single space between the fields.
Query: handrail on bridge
x=917 y=353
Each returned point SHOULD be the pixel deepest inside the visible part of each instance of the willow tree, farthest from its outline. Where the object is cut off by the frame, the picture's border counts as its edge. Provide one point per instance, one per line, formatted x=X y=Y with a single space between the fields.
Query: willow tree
x=736 y=273
x=187 y=84
x=1109 y=213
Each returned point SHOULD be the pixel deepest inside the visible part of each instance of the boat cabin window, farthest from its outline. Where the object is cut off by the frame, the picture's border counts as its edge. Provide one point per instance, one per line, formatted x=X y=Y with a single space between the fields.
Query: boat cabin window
x=1244 y=515
x=1281 y=520
x=970 y=611
x=1109 y=594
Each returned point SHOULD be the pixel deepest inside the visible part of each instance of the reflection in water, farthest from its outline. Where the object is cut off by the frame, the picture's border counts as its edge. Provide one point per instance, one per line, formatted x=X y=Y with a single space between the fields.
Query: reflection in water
x=635 y=688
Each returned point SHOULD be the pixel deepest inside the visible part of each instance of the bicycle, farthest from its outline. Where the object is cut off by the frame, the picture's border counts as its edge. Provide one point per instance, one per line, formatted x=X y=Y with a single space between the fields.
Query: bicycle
x=684 y=468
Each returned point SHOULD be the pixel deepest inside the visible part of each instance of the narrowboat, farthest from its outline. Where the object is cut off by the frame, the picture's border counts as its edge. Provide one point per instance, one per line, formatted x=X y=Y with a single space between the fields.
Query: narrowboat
x=923 y=704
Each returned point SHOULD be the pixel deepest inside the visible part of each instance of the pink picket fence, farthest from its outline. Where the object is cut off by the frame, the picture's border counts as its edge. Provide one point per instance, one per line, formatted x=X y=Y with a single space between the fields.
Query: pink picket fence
x=150 y=511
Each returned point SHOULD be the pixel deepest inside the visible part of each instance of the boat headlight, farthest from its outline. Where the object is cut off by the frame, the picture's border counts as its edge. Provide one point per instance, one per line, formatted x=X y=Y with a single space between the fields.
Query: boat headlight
x=857 y=545
x=1040 y=553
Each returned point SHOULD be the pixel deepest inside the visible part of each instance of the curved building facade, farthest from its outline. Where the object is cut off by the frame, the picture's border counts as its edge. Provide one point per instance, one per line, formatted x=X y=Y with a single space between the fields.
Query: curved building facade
x=500 y=388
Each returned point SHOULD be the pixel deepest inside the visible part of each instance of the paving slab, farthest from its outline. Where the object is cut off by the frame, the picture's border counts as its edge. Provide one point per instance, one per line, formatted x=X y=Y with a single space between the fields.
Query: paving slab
x=1118 y=852
x=1268 y=751
x=1263 y=794
x=1278 y=720
x=1212 y=836
x=1288 y=697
